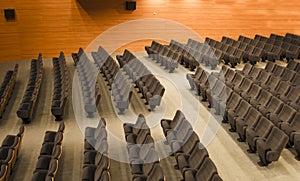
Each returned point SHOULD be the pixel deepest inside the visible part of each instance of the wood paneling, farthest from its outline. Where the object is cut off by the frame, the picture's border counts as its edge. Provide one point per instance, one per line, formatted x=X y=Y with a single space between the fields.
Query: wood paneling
x=66 y=25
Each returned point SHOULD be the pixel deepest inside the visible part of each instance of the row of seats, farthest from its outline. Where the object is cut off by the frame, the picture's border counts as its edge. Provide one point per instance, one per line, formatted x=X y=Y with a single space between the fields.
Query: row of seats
x=118 y=83
x=191 y=156
x=30 y=98
x=204 y=53
x=150 y=87
x=61 y=86
x=144 y=160
x=50 y=154
x=244 y=100
x=7 y=88
x=126 y=57
x=246 y=49
x=294 y=65
x=88 y=78
x=76 y=56
x=164 y=55
x=9 y=151
x=96 y=162
x=189 y=57
x=275 y=47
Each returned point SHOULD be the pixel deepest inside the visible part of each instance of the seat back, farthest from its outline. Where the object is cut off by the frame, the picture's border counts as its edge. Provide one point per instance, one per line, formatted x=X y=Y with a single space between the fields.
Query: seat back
x=247 y=68
x=270 y=66
x=207 y=170
x=278 y=70
x=156 y=174
x=197 y=157
x=286 y=113
x=263 y=127
x=252 y=116
x=190 y=144
x=277 y=140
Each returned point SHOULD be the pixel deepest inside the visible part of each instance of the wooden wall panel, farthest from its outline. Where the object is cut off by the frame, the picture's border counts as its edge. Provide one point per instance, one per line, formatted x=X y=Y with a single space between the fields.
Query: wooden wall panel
x=65 y=25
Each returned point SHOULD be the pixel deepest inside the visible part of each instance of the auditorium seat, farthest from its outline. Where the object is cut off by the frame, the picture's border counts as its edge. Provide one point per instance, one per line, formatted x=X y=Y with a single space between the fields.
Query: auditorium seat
x=7 y=157
x=156 y=174
x=206 y=171
x=250 y=119
x=288 y=75
x=42 y=175
x=14 y=141
x=285 y=114
x=240 y=112
x=244 y=86
x=50 y=135
x=231 y=103
x=292 y=130
x=193 y=160
x=262 y=99
x=293 y=65
x=274 y=105
x=252 y=92
x=3 y=172
x=168 y=124
x=270 y=148
x=181 y=132
x=256 y=132
x=281 y=88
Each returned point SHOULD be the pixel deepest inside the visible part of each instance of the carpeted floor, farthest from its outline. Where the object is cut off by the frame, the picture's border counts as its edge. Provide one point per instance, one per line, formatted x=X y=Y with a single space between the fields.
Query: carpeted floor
x=231 y=158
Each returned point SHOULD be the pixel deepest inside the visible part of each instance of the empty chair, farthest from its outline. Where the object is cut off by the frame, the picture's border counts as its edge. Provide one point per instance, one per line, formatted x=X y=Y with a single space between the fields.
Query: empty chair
x=285 y=114
x=206 y=172
x=269 y=149
x=292 y=130
x=239 y=112
x=250 y=119
x=245 y=39
x=237 y=80
x=215 y=93
x=259 y=131
x=50 y=135
x=93 y=132
x=181 y=132
x=255 y=56
x=288 y=75
x=7 y=157
x=262 y=77
x=254 y=73
x=246 y=69
x=14 y=141
x=271 y=83
x=179 y=146
x=42 y=175
x=244 y=86
x=293 y=65
x=168 y=124
x=262 y=99
x=135 y=128
x=193 y=160
x=292 y=53
x=270 y=66
x=3 y=172
x=194 y=77
x=278 y=70
x=156 y=174
x=231 y=103
x=209 y=84
x=272 y=106
x=252 y=92
x=281 y=88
